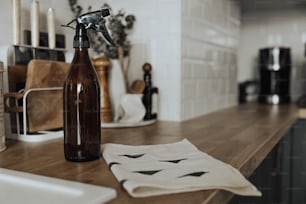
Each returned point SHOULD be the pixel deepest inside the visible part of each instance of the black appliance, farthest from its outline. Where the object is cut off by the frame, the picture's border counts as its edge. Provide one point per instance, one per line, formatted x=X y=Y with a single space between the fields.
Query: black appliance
x=274 y=71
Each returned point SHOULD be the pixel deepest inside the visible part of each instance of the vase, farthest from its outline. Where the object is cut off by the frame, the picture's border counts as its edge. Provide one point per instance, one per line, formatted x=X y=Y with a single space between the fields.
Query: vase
x=117 y=88
x=132 y=107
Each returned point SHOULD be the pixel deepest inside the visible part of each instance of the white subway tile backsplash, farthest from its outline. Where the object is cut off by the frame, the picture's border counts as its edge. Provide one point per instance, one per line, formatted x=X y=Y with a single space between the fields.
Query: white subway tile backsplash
x=191 y=45
x=211 y=49
x=198 y=70
x=187 y=109
x=189 y=89
x=201 y=90
x=187 y=28
x=185 y=8
x=187 y=69
x=198 y=107
x=158 y=25
x=194 y=49
x=195 y=9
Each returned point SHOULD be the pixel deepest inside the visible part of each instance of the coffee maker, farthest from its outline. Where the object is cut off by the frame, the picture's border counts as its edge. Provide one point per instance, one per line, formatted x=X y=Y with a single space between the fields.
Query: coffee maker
x=274 y=71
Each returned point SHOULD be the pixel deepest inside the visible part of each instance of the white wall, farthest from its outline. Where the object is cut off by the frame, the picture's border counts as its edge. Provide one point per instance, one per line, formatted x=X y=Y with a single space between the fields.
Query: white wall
x=62 y=16
x=155 y=39
x=209 y=56
x=191 y=44
x=271 y=27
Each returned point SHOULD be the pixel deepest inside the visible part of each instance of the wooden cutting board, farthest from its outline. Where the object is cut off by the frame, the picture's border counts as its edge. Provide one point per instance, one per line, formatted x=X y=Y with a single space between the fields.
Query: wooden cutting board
x=45 y=108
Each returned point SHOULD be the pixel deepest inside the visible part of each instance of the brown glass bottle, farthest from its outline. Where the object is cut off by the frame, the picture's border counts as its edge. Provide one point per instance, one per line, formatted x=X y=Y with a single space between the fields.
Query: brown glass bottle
x=82 y=130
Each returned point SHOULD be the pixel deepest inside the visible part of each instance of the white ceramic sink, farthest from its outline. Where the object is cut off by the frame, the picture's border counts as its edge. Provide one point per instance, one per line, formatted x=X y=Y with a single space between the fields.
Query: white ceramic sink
x=19 y=187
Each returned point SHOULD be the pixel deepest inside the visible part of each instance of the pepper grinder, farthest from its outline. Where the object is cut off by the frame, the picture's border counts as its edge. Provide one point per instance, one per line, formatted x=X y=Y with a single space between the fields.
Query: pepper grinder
x=102 y=65
x=148 y=93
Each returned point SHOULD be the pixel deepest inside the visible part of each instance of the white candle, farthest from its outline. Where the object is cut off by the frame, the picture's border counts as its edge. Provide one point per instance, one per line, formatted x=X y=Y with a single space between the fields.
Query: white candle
x=35 y=23
x=51 y=27
x=16 y=21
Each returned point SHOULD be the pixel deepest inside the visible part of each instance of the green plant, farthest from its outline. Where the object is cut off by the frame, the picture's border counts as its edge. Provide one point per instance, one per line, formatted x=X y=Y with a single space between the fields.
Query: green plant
x=119 y=25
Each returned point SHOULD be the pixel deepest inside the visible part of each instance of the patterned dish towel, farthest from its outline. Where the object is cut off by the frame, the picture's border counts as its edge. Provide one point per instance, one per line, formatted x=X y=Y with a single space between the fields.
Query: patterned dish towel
x=172 y=168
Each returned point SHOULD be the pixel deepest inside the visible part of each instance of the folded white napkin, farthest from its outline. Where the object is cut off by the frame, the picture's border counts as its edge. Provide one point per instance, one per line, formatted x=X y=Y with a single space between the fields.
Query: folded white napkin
x=172 y=168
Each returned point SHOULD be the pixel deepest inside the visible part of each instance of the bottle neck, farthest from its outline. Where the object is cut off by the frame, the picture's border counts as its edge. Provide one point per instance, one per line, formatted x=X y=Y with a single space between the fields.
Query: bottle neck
x=81 y=54
x=81 y=50
x=80 y=39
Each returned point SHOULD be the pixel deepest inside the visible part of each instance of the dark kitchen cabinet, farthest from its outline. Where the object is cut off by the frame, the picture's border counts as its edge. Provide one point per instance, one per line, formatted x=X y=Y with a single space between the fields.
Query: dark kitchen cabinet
x=281 y=177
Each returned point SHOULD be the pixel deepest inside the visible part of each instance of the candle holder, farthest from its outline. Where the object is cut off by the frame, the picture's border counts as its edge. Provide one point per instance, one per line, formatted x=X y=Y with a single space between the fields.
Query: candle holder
x=22 y=54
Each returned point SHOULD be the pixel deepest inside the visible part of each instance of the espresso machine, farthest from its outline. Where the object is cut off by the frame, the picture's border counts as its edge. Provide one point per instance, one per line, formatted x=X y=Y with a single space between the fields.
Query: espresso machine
x=274 y=72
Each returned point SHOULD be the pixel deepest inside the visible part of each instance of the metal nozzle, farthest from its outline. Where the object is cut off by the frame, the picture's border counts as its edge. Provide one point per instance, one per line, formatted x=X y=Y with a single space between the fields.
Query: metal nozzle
x=94 y=20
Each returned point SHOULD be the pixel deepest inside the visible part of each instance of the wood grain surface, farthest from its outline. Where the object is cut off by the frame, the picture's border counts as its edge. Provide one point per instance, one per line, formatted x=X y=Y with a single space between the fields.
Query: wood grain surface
x=102 y=65
x=241 y=136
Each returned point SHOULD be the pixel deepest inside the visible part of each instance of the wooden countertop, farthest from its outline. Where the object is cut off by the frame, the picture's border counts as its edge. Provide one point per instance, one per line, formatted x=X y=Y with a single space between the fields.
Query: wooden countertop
x=241 y=136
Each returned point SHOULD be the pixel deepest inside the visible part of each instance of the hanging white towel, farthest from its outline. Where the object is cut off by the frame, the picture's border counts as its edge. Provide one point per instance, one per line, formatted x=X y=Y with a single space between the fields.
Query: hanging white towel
x=149 y=170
